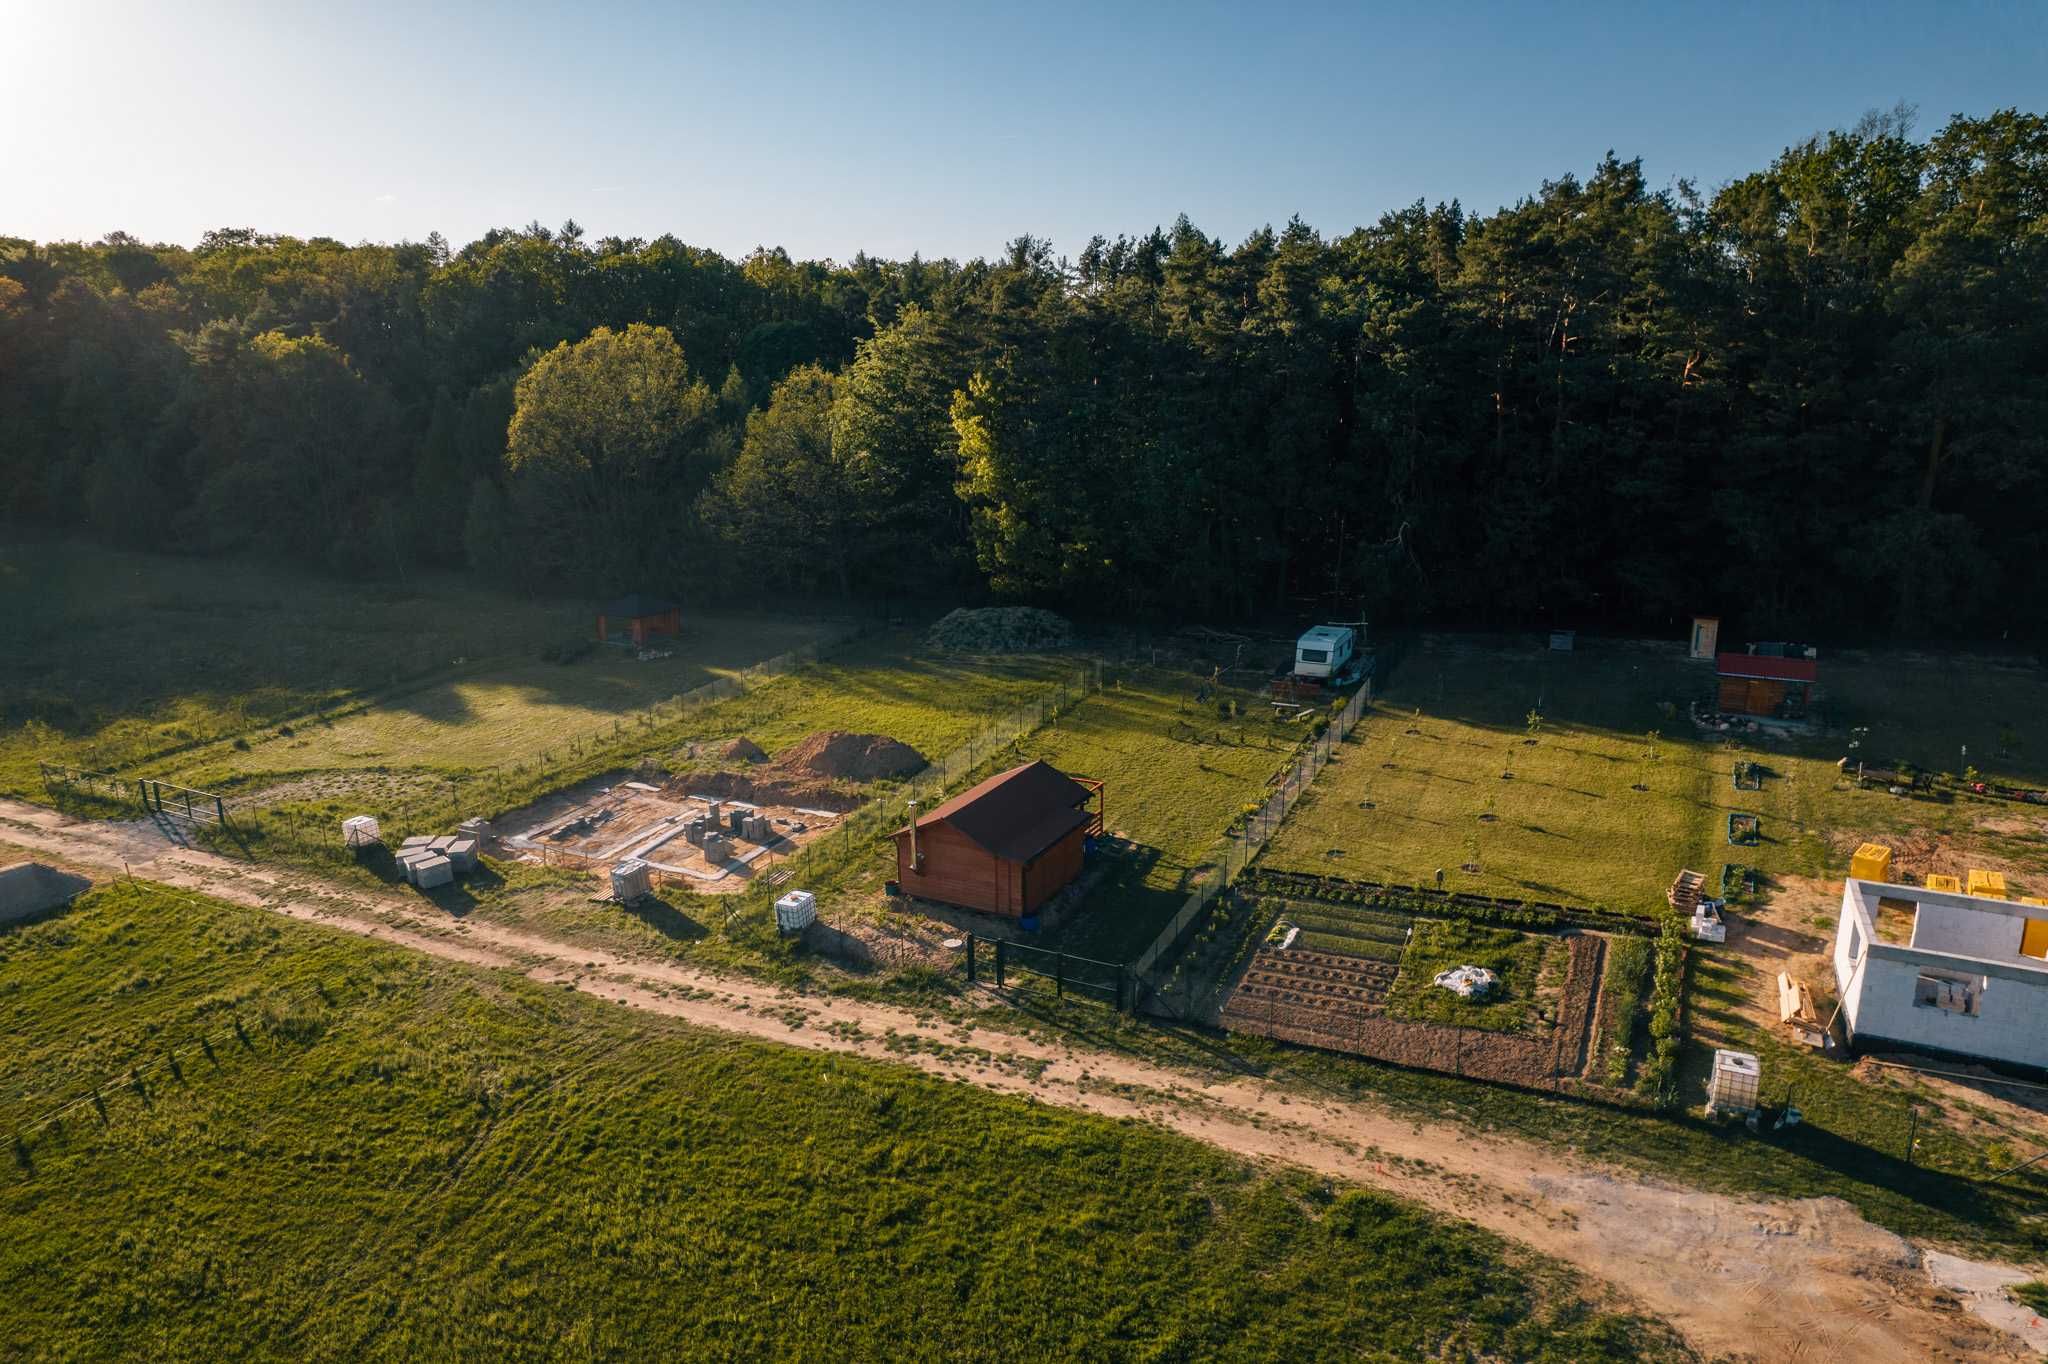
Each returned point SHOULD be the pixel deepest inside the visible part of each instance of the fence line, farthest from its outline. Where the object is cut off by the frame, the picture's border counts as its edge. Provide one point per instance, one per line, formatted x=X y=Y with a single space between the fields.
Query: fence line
x=1064 y=969
x=1258 y=826
x=652 y=716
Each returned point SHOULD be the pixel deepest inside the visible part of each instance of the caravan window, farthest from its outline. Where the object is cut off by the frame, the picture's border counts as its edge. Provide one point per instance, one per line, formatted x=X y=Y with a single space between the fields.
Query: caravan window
x=1314 y=655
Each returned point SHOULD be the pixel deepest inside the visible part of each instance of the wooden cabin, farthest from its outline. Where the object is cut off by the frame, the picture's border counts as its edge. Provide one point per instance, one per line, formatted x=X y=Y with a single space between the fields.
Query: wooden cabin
x=1005 y=846
x=1764 y=684
x=640 y=618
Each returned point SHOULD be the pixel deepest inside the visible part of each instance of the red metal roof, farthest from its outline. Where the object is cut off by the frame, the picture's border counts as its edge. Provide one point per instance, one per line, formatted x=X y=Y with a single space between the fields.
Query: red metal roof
x=1764 y=666
x=1016 y=814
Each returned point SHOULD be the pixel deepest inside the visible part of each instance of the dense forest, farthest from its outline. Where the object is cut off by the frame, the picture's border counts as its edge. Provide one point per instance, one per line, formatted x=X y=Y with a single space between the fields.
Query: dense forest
x=1813 y=400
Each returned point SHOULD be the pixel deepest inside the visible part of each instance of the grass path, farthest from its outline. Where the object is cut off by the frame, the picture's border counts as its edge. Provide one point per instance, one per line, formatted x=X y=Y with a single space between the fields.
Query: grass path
x=1720 y=1268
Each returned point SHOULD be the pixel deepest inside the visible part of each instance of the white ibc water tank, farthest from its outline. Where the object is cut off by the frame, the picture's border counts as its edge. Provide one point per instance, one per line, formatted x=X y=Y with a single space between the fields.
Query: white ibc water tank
x=796 y=911
x=1738 y=1077
x=360 y=831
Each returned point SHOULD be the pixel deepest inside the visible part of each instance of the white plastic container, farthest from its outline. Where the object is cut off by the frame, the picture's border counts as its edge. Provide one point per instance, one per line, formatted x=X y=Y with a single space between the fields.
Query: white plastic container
x=360 y=831
x=796 y=911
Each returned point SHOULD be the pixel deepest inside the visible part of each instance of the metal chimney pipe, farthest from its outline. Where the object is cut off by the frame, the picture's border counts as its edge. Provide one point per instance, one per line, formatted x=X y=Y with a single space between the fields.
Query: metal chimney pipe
x=915 y=863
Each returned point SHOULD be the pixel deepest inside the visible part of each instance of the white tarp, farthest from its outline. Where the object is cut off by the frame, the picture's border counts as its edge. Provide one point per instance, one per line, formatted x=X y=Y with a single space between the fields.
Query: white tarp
x=1473 y=982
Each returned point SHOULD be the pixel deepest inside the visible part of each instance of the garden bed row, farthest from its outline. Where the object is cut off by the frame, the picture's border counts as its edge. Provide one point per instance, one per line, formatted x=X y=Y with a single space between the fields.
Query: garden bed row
x=1299 y=1014
x=1426 y=900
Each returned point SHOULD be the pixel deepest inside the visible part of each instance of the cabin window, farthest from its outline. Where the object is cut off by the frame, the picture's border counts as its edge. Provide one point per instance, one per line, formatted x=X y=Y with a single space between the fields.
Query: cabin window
x=1315 y=655
x=1951 y=992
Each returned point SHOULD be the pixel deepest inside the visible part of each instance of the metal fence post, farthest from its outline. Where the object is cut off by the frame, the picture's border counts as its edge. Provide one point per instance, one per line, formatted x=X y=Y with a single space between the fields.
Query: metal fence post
x=970 y=959
x=1000 y=945
x=1059 y=976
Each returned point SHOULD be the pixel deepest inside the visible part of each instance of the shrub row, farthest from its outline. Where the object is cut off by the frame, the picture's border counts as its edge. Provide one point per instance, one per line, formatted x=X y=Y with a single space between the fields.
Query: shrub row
x=1667 y=1023
x=1336 y=890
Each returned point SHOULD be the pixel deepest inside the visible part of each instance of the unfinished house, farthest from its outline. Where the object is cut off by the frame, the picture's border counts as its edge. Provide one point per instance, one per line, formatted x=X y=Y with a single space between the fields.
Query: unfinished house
x=1941 y=972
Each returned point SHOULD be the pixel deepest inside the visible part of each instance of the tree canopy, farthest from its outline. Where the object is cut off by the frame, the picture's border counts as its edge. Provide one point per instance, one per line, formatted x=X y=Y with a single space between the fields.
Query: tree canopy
x=1812 y=400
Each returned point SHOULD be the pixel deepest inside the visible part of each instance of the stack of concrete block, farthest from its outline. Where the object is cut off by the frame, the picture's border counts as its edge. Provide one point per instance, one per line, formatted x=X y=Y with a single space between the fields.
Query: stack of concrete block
x=631 y=880
x=428 y=862
x=757 y=829
x=714 y=811
x=717 y=847
x=476 y=827
x=432 y=872
x=736 y=819
x=693 y=832
x=425 y=867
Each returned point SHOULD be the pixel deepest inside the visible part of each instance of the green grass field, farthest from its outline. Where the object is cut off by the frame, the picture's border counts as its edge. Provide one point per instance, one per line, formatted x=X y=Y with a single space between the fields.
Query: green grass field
x=1420 y=787
x=123 y=661
x=371 y=1156
x=1851 y=1147
x=1177 y=775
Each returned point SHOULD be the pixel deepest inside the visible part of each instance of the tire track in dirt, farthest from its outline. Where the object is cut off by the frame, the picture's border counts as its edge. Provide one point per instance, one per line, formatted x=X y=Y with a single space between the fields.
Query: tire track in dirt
x=1741 y=1279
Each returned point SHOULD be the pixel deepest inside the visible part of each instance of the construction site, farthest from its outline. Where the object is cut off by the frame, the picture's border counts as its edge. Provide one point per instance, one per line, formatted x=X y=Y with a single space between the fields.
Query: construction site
x=716 y=844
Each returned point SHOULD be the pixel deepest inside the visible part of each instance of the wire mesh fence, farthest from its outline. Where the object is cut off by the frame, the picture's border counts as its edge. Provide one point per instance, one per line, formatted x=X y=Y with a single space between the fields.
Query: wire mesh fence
x=1254 y=830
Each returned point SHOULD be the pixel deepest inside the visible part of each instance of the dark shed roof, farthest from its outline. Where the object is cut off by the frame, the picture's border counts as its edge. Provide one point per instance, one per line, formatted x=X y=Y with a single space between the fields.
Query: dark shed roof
x=1767 y=668
x=1016 y=814
x=640 y=604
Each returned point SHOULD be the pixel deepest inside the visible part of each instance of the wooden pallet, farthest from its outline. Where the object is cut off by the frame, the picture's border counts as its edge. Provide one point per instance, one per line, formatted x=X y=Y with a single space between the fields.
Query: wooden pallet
x=1684 y=894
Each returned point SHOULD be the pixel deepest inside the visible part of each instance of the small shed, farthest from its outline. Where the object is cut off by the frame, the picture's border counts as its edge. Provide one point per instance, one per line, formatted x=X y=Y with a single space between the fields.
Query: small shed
x=1005 y=846
x=1761 y=684
x=639 y=617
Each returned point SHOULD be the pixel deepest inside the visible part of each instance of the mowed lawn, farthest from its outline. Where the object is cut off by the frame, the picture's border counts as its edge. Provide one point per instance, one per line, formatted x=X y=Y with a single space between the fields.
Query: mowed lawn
x=1171 y=796
x=311 y=1147
x=1411 y=792
x=883 y=684
x=507 y=715
x=123 y=660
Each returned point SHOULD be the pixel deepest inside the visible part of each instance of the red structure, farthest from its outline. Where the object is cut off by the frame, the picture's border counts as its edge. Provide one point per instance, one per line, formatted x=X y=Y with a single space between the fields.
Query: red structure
x=1761 y=684
x=1003 y=847
x=640 y=617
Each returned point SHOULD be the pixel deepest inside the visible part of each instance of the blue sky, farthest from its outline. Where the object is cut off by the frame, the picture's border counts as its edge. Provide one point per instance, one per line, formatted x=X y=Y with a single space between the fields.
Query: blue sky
x=830 y=129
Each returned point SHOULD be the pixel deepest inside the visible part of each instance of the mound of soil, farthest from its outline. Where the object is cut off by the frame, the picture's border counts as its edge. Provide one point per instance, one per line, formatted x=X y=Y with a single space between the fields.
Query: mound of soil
x=838 y=756
x=1001 y=630
x=743 y=750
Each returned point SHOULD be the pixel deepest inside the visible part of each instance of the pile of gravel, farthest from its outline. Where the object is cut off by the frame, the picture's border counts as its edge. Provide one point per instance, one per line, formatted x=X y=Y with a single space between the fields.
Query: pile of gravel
x=1001 y=630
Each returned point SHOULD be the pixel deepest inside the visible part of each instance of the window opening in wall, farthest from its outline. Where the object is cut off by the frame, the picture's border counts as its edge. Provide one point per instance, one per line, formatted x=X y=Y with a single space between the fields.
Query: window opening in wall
x=1951 y=992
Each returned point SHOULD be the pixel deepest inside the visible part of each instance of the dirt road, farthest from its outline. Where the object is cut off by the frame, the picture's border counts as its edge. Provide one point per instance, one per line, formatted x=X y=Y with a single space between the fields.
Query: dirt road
x=1767 y=1281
